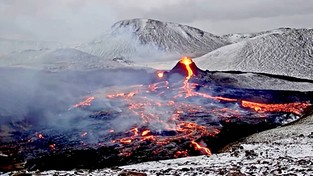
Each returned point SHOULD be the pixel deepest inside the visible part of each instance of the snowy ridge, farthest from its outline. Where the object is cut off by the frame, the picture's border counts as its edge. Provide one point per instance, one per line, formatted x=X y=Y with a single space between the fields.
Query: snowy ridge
x=238 y=37
x=138 y=37
x=288 y=52
x=8 y=46
x=58 y=60
x=73 y=59
x=124 y=46
x=171 y=36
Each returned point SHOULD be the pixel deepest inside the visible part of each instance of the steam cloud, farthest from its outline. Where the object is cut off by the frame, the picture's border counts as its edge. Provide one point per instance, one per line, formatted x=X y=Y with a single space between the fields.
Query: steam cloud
x=42 y=99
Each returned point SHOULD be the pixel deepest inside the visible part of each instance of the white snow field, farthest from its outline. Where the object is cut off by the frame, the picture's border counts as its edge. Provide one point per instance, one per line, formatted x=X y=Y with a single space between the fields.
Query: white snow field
x=58 y=60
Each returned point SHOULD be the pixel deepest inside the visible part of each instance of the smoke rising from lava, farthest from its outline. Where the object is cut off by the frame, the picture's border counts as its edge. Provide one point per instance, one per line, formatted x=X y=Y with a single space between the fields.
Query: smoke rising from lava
x=41 y=99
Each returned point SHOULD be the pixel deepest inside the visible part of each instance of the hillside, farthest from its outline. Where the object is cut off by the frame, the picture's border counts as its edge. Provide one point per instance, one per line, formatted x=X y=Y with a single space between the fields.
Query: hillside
x=146 y=38
x=287 y=52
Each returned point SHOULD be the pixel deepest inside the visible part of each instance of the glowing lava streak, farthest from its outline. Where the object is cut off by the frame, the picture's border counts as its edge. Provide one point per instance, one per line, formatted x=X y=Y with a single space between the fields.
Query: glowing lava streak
x=86 y=102
x=177 y=118
x=160 y=74
x=202 y=149
x=187 y=61
x=296 y=108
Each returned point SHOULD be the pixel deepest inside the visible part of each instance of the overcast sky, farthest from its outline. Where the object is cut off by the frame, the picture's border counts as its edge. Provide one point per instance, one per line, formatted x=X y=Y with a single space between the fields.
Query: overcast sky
x=78 y=20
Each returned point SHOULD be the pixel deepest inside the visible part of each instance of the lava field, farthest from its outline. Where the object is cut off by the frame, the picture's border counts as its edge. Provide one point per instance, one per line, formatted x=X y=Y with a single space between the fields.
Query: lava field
x=181 y=113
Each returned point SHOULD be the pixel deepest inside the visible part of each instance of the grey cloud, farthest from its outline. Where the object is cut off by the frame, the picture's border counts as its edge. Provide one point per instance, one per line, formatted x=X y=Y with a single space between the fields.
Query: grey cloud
x=78 y=20
x=55 y=20
x=253 y=24
x=191 y=10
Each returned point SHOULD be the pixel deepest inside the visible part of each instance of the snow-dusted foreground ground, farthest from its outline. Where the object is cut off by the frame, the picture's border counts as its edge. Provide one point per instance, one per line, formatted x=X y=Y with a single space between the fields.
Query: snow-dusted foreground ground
x=282 y=151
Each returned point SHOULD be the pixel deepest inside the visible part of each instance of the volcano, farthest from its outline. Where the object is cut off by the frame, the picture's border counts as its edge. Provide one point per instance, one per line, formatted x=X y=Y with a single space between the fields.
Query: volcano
x=186 y=68
x=179 y=114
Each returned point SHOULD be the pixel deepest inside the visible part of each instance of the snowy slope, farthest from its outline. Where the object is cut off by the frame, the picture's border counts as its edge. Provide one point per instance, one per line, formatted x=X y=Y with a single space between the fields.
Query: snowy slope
x=57 y=60
x=139 y=38
x=287 y=52
x=72 y=59
x=124 y=46
x=8 y=46
x=238 y=37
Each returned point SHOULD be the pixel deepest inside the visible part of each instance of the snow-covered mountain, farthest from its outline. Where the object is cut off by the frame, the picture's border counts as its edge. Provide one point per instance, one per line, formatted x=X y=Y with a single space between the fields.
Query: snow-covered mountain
x=146 y=38
x=282 y=52
x=170 y=37
x=152 y=43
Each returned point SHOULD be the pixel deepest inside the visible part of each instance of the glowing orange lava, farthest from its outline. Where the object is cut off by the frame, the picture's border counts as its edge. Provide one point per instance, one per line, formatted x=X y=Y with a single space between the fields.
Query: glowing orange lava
x=179 y=154
x=86 y=102
x=160 y=74
x=296 y=108
x=145 y=132
x=52 y=146
x=84 y=134
x=138 y=105
x=160 y=103
x=204 y=150
x=125 y=141
x=40 y=136
x=187 y=61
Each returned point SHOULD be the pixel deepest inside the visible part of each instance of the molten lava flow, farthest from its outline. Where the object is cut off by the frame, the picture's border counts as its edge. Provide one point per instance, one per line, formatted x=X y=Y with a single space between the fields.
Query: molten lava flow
x=84 y=134
x=145 y=136
x=180 y=117
x=187 y=87
x=296 y=108
x=86 y=102
x=160 y=74
x=167 y=119
x=52 y=146
x=187 y=61
x=204 y=150
x=40 y=136
x=145 y=132
x=179 y=113
x=180 y=154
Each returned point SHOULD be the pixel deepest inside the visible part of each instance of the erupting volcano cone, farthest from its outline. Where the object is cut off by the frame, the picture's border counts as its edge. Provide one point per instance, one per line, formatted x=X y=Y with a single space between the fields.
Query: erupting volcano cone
x=187 y=68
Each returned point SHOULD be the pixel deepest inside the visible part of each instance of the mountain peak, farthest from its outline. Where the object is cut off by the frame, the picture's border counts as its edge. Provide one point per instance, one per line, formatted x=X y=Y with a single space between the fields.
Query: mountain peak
x=136 y=22
x=169 y=36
